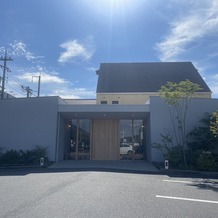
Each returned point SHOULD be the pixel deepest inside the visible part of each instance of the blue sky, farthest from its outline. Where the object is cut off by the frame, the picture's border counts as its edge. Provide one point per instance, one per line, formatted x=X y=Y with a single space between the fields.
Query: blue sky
x=65 y=41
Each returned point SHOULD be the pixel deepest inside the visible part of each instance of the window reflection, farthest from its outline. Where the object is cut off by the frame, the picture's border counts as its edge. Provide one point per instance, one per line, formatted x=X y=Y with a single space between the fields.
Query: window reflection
x=131 y=140
x=80 y=140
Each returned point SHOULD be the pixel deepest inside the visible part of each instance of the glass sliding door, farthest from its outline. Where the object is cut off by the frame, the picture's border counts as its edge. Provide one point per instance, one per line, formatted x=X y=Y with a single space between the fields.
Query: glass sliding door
x=80 y=140
x=131 y=140
x=126 y=149
x=84 y=140
x=138 y=139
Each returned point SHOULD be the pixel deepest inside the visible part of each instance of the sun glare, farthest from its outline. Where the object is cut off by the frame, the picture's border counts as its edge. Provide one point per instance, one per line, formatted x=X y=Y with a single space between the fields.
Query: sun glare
x=118 y=3
x=105 y=6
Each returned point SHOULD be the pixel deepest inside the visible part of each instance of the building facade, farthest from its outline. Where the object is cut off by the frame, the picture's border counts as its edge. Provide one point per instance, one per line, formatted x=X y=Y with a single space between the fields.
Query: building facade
x=122 y=123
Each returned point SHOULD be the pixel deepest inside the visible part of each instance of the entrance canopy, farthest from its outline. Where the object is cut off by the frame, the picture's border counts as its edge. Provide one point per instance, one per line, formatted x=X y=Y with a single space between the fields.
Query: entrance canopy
x=104 y=111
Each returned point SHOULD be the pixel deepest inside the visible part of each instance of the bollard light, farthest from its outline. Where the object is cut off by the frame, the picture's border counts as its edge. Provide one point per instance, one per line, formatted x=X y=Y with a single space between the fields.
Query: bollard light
x=42 y=161
x=166 y=164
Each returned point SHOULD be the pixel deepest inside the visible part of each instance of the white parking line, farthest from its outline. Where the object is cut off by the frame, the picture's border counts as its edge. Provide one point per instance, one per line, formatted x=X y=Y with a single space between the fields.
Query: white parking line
x=187 y=199
x=179 y=181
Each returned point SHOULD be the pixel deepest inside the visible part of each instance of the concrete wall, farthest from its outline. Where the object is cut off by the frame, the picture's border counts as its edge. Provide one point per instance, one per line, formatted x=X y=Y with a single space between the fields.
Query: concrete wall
x=136 y=98
x=27 y=122
x=79 y=101
x=160 y=119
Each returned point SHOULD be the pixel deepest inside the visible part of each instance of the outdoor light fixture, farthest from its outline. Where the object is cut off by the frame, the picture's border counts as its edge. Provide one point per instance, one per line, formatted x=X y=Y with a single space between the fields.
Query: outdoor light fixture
x=166 y=163
x=69 y=124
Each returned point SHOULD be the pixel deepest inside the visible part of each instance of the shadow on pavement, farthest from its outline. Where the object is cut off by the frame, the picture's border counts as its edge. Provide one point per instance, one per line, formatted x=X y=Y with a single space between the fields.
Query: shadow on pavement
x=207 y=184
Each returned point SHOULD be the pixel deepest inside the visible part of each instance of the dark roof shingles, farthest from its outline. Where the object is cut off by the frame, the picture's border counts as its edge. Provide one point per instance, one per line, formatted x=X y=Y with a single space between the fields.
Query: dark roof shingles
x=145 y=77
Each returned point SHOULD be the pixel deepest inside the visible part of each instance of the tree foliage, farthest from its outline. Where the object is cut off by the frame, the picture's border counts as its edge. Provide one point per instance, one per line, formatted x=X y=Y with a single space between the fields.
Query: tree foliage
x=214 y=123
x=201 y=137
x=174 y=92
x=203 y=144
x=178 y=96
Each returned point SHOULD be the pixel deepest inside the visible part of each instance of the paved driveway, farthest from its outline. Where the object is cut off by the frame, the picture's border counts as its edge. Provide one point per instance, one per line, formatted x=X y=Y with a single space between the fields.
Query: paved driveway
x=105 y=194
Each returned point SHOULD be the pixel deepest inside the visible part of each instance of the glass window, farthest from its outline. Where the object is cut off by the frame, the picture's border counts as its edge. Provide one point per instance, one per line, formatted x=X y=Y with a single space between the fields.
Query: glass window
x=79 y=140
x=103 y=102
x=131 y=140
x=115 y=102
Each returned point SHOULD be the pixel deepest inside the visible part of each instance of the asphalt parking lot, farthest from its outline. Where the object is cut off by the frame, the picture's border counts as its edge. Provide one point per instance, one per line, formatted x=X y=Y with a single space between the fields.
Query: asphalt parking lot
x=44 y=193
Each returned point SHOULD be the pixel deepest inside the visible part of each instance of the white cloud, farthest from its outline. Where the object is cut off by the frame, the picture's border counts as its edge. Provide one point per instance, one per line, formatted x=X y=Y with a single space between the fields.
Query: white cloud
x=212 y=55
x=67 y=92
x=45 y=77
x=14 y=88
x=75 y=49
x=196 y=22
x=19 y=49
x=92 y=69
x=52 y=84
x=212 y=81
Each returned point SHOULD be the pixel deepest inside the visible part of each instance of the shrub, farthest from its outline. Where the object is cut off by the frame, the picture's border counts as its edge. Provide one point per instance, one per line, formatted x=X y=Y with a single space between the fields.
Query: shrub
x=37 y=153
x=206 y=161
x=203 y=144
x=175 y=156
x=10 y=157
x=27 y=157
x=171 y=152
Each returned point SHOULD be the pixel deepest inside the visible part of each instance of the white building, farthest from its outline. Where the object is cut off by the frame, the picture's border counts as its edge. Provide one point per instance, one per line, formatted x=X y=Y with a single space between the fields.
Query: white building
x=123 y=122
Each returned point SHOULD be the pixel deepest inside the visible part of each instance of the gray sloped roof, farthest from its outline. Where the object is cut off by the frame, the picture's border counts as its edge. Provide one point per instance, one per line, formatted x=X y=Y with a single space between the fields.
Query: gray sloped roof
x=145 y=77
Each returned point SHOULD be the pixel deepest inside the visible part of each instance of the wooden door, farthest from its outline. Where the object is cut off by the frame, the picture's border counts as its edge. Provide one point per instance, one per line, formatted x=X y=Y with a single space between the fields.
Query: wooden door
x=105 y=140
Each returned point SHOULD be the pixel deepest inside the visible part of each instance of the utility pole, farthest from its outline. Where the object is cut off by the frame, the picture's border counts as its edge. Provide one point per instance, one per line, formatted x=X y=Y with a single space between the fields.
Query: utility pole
x=39 y=82
x=5 y=59
x=28 y=90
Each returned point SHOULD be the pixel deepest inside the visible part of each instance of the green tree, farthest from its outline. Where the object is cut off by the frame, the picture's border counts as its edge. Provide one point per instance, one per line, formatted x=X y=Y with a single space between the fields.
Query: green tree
x=214 y=123
x=178 y=97
x=203 y=144
x=201 y=137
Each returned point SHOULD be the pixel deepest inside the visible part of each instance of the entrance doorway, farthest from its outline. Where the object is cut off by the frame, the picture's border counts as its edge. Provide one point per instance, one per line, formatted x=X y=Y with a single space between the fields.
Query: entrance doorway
x=79 y=140
x=105 y=140
x=132 y=140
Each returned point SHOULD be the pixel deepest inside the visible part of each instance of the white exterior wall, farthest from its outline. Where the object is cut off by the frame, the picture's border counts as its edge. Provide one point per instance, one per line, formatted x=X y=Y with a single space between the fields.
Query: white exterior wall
x=137 y=98
x=79 y=101
x=125 y=98
x=27 y=122
x=160 y=119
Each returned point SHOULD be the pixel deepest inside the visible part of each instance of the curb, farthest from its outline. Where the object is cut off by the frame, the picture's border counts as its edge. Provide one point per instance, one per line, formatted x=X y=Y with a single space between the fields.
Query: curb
x=189 y=173
x=160 y=171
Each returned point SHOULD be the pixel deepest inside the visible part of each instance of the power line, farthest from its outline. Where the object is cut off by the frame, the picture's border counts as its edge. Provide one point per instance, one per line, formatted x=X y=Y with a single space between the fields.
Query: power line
x=3 y=78
x=23 y=88
x=15 y=82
